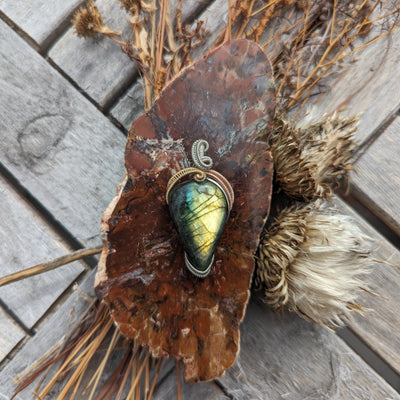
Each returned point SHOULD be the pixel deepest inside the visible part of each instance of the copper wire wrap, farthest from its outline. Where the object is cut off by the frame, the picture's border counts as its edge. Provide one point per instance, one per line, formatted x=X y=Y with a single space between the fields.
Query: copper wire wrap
x=199 y=176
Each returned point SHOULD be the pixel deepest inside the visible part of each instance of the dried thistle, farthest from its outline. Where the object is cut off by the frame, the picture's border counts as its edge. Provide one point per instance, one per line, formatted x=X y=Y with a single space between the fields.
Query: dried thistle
x=88 y=22
x=311 y=159
x=311 y=260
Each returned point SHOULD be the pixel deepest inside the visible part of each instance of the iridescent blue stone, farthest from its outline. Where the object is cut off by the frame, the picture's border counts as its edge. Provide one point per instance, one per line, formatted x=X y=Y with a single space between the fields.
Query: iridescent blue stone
x=200 y=211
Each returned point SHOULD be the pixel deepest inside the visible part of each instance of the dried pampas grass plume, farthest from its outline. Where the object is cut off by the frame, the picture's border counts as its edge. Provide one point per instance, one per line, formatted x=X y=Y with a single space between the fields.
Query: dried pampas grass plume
x=310 y=160
x=311 y=260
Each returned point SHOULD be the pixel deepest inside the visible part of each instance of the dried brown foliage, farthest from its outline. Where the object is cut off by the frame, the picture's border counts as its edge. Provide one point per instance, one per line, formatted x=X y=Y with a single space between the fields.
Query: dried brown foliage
x=160 y=45
x=308 y=40
x=89 y=347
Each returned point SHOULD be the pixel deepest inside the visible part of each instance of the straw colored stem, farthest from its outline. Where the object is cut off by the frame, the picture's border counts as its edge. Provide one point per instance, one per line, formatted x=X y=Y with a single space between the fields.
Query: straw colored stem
x=138 y=375
x=48 y=266
x=100 y=369
x=156 y=375
x=178 y=380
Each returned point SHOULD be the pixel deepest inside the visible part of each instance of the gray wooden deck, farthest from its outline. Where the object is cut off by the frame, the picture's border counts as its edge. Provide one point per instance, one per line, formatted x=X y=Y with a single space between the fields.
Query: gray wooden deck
x=65 y=104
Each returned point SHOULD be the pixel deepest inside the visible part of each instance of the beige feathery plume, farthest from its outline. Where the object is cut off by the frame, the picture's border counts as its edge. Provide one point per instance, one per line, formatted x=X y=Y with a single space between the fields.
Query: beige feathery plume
x=311 y=260
x=310 y=160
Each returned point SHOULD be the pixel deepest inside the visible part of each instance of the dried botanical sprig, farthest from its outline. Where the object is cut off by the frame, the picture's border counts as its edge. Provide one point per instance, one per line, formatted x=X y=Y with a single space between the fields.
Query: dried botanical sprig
x=308 y=40
x=78 y=351
x=311 y=260
x=132 y=7
x=88 y=22
x=312 y=158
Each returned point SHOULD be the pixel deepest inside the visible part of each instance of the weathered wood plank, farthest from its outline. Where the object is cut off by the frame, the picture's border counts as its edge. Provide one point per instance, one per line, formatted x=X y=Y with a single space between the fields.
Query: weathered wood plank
x=10 y=335
x=98 y=65
x=381 y=326
x=25 y=241
x=130 y=106
x=377 y=181
x=284 y=357
x=370 y=85
x=42 y=20
x=54 y=141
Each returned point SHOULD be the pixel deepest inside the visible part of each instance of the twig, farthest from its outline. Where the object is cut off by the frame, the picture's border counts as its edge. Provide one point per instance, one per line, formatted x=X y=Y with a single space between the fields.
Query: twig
x=49 y=265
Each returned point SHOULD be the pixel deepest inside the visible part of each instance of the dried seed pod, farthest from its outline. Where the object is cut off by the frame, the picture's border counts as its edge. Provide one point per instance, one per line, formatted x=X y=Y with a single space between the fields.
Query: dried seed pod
x=88 y=21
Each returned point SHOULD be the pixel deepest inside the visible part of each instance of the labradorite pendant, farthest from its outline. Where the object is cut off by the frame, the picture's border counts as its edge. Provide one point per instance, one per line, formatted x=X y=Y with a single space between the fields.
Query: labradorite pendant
x=200 y=211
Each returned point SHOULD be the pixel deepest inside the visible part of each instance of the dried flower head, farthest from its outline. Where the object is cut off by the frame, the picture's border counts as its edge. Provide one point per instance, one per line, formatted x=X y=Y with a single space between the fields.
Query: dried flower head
x=310 y=160
x=132 y=7
x=87 y=20
x=311 y=260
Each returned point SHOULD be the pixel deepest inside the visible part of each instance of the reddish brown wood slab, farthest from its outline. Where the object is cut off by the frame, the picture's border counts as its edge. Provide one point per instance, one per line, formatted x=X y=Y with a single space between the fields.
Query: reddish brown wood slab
x=228 y=99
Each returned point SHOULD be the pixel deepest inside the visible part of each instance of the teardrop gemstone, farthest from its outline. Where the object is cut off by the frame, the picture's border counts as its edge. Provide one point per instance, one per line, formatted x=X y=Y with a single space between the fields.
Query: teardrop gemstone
x=199 y=211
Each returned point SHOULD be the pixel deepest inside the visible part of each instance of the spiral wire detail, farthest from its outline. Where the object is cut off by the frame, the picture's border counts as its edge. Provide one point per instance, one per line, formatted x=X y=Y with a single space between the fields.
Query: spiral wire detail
x=199 y=158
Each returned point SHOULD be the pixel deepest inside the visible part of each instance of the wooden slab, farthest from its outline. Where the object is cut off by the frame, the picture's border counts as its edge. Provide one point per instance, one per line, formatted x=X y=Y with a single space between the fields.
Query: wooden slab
x=42 y=20
x=284 y=357
x=130 y=106
x=371 y=84
x=377 y=181
x=10 y=335
x=54 y=141
x=25 y=241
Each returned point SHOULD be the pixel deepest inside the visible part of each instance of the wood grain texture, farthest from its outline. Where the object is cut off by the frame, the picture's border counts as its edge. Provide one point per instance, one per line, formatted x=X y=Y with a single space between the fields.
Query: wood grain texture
x=370 y=85
x=381 y=325
x=10 y=335
x=57 y=144
x=377 y=181
x=40 y=19
x=130 y=106
x=26 y=240
x=284 y=357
